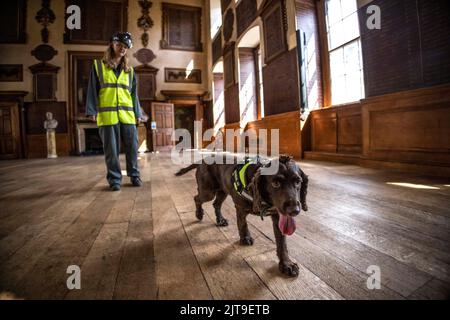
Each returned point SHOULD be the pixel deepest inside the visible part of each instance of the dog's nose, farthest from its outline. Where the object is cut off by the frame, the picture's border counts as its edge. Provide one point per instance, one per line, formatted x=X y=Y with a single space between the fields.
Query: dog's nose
x=292 y=208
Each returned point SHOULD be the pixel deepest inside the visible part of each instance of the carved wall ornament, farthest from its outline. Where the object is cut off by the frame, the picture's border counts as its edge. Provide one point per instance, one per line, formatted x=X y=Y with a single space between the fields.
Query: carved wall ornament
x=144 y=56
x=145 y=22
x=45 y=16
x=44 y=52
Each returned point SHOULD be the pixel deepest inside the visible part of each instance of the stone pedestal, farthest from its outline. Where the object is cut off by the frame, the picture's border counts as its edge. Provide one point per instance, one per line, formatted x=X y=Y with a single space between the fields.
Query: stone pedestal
x=51 y=144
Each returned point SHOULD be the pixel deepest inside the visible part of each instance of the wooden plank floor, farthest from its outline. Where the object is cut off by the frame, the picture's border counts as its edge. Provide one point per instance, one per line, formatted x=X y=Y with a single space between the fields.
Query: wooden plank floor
x=145 y=243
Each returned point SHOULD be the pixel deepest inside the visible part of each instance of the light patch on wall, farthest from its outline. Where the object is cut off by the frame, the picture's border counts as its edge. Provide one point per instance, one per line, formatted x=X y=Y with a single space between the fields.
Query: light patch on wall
x=250 y=39
x=412 y=185
x=218 y=68
x=189 y=68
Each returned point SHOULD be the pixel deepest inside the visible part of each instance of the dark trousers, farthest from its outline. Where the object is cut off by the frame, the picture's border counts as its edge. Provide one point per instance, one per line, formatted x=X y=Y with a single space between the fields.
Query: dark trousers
x=111 y=146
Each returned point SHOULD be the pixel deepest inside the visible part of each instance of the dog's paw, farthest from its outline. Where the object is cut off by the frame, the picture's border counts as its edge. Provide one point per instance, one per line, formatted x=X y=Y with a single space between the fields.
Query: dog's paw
x=246 y=241
x=304 y=207
x=199 y=214
x=288 y=268
x=222 y=222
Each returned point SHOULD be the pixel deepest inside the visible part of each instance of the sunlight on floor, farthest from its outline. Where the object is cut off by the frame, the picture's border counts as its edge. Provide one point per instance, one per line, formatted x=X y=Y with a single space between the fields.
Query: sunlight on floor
x=412 y=185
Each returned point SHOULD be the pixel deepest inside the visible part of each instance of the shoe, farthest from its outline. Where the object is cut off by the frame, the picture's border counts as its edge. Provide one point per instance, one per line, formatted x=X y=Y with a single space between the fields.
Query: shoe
x=136 y=181
x=115 y=187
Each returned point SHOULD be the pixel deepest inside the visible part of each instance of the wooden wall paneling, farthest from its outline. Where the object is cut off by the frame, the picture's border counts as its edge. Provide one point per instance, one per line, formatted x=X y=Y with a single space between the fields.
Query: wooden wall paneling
x=245 y=14
x=324 y=130
x=217 y=46
x=35 y=116
x=10 y=142
x=434 y=24
x=411 y=50
x=229 y=68
x=232 y=113
x=337 y=129
x=37 y=145
x=146 y=81
x=411 y=126
x=290 y=134
x=228 y=25
x=281 y=85
x=391 y=55
x=274 y=29
x=236 y=128
x=349 y=129
x=13 y=126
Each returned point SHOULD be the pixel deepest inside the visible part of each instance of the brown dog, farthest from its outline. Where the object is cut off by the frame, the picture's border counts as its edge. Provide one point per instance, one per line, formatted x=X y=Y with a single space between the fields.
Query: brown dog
x=281 y=195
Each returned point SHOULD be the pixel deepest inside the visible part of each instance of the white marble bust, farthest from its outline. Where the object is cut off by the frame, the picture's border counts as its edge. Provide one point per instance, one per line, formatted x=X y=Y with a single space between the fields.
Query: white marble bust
x=50 y=123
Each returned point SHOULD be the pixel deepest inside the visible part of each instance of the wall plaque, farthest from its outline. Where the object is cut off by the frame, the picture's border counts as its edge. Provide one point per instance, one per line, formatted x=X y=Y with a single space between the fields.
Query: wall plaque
x=182 y=75
x=11 y=72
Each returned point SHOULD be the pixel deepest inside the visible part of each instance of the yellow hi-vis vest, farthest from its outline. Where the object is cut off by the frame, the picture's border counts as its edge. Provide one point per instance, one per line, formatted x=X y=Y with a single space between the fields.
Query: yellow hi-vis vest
x=114 y=102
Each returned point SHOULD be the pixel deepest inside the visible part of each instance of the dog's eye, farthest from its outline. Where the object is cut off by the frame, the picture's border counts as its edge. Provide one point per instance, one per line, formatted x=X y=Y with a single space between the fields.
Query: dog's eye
x=297 y=182
x=276 y=184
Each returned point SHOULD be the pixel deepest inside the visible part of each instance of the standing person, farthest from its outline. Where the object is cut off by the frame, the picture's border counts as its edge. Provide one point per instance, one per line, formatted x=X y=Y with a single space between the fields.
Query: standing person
x=112 y=101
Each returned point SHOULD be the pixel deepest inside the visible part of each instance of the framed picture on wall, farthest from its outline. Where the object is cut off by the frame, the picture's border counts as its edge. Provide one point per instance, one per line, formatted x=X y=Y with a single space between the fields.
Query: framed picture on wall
x=11 y=73
x=182 y=75
x=99 y=20
x=181 y=27
x=13 y=21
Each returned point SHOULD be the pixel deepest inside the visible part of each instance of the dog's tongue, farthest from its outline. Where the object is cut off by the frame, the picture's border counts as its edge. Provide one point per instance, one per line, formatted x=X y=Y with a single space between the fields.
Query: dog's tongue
x=286 y=225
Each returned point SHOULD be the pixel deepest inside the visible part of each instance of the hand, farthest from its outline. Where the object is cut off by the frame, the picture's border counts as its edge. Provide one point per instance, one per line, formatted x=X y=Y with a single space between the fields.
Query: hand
x=92 y=118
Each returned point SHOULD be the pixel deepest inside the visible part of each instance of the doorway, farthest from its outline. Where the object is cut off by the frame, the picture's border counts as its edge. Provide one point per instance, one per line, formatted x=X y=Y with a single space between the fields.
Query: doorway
x=184 y=119
x=162 y=125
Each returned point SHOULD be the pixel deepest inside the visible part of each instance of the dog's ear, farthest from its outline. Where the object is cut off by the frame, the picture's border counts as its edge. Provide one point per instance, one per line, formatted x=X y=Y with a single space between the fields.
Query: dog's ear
x=255 y=186
x=303 y=189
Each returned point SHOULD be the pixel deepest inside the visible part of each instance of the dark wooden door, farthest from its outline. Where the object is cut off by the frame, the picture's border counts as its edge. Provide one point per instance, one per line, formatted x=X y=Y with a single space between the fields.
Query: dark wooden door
x=163 y=115
x=9 y=131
